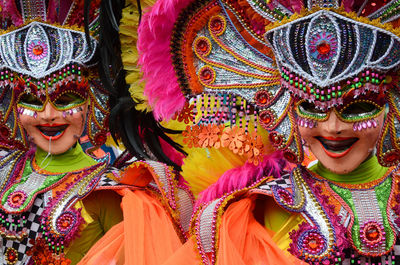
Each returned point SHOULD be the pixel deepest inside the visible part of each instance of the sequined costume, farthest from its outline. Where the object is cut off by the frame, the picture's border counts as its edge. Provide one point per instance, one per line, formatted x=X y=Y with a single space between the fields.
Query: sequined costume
x=56 y=204
x=291 y=68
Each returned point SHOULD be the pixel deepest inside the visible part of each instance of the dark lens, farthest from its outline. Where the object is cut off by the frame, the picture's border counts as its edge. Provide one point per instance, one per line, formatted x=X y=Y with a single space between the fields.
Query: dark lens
x=67 y=98
x=30 y=100
x=359 y=108
x=310 y=108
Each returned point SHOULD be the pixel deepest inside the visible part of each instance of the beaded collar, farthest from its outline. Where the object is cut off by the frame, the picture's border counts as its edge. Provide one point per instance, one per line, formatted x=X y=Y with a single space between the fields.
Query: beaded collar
x=37 y=210
x=337 y=217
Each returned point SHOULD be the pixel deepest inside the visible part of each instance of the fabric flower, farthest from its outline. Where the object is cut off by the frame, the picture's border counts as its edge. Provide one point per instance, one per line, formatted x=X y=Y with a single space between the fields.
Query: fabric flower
x=185 y=115
x=190 y=136
x=234 y=139
x=209 y=136
x=254 y=148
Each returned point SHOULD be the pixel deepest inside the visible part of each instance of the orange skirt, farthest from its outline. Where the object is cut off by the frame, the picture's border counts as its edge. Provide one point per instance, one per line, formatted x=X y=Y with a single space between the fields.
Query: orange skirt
x=242 y=241
x=146 y=236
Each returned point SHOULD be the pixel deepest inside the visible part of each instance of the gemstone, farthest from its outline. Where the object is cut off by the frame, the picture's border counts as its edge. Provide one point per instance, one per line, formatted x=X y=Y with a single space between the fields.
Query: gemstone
x=100 y=138
x=216 y=24
x=37 y=50
x=275 y=138
x=262 y=97
x=12 y=256
x=266 y=117
x=206 y=74
x=202 y=46
x=313 y=244
x=372 y=233
x=392 y=157
x=65 y=223
x=16 y=198
x=323 y=48
x=4 y=132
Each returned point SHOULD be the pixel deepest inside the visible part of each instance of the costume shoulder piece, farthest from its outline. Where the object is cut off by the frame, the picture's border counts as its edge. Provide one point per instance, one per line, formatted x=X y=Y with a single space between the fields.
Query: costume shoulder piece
x=206 y=220
x=160 y=180
x=38 y=214
x=342 y=222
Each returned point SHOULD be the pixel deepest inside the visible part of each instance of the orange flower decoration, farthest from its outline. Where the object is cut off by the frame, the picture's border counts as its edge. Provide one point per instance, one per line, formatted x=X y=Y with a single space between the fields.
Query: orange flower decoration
x=185 y=115
x=254 y=148
x=234 y=139
x=191 y=136
x=209 y=136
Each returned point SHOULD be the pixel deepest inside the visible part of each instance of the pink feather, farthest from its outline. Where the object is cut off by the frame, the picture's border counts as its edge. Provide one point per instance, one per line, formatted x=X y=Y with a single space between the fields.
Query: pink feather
x=241 y=177
x=10 y=10
x=52 y=11
x=296 y=5
x=348 y=5
x=155 y=31
x=171 y=153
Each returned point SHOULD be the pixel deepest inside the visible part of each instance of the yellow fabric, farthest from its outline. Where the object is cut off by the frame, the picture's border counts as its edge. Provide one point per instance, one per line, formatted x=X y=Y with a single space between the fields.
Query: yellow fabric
x=281 y=237
x=274 y=215
x=101 y=211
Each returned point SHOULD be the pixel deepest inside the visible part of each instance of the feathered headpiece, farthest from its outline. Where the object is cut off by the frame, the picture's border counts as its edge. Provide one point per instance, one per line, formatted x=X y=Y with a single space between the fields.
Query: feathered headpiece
x=46 y=53
x=224 y=64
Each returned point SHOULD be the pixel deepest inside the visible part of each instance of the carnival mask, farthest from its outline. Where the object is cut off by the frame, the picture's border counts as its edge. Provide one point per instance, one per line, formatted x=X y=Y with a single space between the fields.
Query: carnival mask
x=49 y=88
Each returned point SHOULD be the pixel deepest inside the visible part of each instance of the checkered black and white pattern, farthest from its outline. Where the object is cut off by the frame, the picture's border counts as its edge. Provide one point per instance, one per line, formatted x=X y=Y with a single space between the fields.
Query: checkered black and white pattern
x=33 y=226
x=106 y=181
x=283 y=182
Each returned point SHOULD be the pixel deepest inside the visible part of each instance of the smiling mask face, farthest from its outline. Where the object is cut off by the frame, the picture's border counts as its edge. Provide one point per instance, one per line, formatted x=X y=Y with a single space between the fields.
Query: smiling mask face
x=342 y=139
x=53 y=126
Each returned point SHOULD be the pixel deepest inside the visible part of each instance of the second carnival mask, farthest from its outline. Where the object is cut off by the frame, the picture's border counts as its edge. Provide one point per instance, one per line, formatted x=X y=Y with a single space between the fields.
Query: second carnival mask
x=253 y=62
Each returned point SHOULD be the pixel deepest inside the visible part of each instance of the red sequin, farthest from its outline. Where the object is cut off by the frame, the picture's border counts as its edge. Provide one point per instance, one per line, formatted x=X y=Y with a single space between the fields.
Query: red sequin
x=37 y=50
x=262 y=97
x=323 y=48
x=266 y=117
x=11 y=256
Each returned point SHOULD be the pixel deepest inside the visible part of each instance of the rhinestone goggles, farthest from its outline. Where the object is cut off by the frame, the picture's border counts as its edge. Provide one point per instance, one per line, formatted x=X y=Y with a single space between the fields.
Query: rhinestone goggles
x=356 y=111
x=65 y=101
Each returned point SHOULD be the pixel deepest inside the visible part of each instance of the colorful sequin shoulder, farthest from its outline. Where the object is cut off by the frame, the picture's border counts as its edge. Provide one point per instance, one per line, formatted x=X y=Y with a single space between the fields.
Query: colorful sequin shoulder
x=38 y=213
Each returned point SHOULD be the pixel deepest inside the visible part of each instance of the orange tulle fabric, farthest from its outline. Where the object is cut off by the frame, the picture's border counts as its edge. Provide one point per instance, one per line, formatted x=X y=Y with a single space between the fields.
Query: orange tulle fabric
x=244 y=241
x=145 y=237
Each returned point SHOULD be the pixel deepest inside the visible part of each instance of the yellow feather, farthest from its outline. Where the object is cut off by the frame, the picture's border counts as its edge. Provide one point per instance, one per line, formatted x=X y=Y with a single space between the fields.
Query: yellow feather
x=128 y=37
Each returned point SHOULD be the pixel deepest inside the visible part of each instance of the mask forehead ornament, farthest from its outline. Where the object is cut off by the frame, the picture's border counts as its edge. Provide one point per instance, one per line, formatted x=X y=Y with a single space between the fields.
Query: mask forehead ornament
x=324 y=55
x=39 y=49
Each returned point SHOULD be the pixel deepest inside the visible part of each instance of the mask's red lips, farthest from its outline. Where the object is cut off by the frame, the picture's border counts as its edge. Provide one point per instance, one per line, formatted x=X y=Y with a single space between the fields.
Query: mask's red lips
x=337 y=147
x=55 y=131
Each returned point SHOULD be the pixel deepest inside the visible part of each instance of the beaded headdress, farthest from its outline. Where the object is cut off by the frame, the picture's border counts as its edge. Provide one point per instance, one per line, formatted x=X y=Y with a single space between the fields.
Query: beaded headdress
x=216 y=63
x=44 y=52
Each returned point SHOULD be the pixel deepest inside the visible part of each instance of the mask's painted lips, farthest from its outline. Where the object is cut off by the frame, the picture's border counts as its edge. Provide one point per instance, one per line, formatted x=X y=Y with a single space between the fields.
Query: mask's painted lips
x=55 y=131
x=337 y=147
